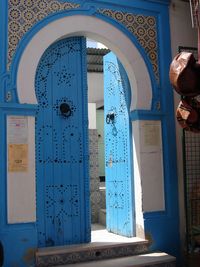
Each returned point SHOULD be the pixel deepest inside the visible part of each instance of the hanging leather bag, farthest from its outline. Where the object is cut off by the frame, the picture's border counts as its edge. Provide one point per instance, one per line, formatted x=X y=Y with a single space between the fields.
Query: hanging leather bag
x=188 y=114
x=185 y=74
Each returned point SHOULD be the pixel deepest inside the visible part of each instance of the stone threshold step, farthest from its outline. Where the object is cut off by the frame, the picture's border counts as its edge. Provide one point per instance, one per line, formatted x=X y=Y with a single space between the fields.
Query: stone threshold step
x=156 y=259
x=135 y=241
x=89 y=252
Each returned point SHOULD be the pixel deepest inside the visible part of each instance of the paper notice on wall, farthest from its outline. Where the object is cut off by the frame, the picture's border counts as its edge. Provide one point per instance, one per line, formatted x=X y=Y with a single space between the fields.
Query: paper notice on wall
x=17 y=130
x=18 y=157
x=17 y=143
x=151 y=140
x=151 y=135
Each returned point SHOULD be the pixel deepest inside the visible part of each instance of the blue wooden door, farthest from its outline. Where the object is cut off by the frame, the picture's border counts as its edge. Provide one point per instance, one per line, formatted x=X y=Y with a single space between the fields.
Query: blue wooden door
x=118 y=153
x=62 y=145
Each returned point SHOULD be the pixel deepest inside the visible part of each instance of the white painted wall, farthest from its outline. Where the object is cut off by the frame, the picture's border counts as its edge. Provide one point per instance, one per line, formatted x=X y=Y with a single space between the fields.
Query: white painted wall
x=137 y=180
x=182 y=34
x=148 y=167
x=92 y=116
x=95 y=88
x=151 y=159
x=94 y=44
x=21 y=189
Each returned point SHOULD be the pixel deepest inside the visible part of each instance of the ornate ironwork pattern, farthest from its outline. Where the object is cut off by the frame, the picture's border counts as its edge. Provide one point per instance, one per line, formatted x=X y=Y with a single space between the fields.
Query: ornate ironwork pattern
x=64 y=76
x=143 y=28
x=62 y=196
x=24 y=14
x=48 y=133
x=116 y=196
x=70 y=136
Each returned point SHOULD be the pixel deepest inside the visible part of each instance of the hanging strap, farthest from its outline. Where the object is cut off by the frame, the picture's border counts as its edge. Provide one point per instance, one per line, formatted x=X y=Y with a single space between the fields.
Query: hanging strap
x=199 y=44
x=197 y=14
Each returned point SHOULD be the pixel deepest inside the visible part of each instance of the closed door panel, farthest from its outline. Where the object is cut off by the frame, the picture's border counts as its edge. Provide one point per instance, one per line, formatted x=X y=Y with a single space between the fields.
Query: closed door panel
x=61 y=145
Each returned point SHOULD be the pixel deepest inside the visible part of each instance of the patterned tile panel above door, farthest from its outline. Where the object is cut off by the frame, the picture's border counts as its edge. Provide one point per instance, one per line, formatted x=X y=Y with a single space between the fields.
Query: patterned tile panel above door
x=24 y=14
x=143 y=28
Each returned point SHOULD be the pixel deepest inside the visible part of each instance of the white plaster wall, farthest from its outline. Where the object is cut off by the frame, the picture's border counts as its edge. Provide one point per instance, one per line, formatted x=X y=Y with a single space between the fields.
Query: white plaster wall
x=95 y=88
x=148 y=170
x=182 y=34
x=92 y=116
x=137 y=180
x=21 y=199
x=152 y=176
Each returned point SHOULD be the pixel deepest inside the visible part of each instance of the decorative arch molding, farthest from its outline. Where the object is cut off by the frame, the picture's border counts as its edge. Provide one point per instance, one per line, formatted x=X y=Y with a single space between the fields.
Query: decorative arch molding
x=93 y=28
x=22 y=16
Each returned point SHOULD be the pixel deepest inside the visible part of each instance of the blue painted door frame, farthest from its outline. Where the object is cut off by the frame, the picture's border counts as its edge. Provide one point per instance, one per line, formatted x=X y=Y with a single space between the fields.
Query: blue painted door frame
x=155 y=223
x=120 y=208
x=61 y=145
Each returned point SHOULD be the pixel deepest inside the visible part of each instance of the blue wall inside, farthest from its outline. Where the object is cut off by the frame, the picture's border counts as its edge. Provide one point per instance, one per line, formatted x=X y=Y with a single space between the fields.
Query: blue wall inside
x=161 y=227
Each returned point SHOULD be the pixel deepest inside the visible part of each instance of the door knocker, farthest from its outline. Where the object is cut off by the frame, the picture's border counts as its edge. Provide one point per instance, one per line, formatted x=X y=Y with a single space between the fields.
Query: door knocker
x=65 y=110
x=110 y=118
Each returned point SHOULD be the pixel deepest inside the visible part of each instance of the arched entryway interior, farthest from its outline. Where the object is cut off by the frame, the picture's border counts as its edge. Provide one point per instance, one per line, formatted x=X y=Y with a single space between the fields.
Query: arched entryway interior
x=118 y=42
x=63 y=179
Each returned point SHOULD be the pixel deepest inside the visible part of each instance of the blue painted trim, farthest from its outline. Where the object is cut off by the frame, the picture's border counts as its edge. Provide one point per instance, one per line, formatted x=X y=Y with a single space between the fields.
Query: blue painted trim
x=88 y=211
x=3 y=34
x=23 y=235
x=155 y=214
x=8 y=109
x=25 y=243
x=169 y=134
x=145 y=115
x=163 y=2
x=119 y=2
x=136 y=9
x=3 y=194
x=30 y=108
x=165 y=225
x=17 y=226
x=155 y=222
x=3 y=44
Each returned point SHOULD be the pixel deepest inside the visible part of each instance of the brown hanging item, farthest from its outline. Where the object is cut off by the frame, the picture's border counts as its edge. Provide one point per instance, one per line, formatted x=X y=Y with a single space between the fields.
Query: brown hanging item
x=185 y=78
x=185 y=74
x=188 y=114
x=184 y=70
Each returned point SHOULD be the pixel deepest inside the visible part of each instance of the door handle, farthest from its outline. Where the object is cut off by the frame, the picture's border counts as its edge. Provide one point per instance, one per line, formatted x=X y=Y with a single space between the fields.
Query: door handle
x=110 y=118
x=65 y=110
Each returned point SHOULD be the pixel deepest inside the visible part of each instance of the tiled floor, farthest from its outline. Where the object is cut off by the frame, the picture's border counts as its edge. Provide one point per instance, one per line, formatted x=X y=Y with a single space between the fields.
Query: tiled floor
x=100 y=234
